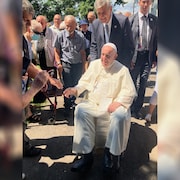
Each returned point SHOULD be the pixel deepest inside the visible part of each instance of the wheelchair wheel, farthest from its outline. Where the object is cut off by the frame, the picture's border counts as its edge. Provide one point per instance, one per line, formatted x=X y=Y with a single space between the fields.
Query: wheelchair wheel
x=51 y=121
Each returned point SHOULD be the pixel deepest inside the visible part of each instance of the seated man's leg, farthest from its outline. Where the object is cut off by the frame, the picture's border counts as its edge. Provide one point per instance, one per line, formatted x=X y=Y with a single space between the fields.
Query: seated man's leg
x=84 y=136
x=117 y=138
x=84 y=128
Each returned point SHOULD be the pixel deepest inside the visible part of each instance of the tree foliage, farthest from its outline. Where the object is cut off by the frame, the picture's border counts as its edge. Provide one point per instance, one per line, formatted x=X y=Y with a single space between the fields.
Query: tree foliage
x=85 y=7
x=120 y=2
x=78 y=8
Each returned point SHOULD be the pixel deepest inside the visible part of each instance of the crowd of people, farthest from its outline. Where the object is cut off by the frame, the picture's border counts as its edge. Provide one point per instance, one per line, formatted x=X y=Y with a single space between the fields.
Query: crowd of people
x=105 y=50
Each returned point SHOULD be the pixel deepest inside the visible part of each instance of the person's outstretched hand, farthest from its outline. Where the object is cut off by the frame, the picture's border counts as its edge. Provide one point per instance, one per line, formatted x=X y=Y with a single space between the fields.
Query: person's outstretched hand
x=56 y=82
x=70 y=92
x=40 y=80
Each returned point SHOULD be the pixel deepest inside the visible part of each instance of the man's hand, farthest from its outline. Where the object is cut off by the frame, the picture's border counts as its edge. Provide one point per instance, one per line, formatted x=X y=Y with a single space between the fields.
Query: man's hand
x=56 y=82
x=60 y=69
x=70 y=91
x=113 y=106
x=40 y=80
x=154 y=63
x=132 y=65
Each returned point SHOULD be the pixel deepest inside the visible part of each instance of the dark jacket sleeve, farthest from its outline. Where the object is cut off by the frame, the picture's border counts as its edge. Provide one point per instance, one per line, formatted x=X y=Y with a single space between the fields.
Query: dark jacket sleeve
x=93 y=46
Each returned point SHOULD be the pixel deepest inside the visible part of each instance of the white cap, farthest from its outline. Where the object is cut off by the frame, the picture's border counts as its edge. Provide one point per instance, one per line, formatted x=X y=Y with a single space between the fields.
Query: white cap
x=111 y=45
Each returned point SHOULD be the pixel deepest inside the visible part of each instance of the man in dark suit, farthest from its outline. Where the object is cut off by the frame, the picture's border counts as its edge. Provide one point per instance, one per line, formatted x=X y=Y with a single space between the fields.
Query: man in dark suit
x=109 y=27
x=144 y=58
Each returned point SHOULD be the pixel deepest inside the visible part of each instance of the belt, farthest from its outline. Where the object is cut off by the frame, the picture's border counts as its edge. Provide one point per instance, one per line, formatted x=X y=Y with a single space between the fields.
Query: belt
x=71 y=63
x=65 y=62
x=143 y=52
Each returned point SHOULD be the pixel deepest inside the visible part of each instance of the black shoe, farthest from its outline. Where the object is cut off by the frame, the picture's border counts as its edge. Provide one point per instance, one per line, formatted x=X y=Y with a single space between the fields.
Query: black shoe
x=83 y=164
x=107 y=160
x=137 y=115
x=36 y=117
x=73 y=105
x=31 y=151
x=67 y=112
x=110 y=162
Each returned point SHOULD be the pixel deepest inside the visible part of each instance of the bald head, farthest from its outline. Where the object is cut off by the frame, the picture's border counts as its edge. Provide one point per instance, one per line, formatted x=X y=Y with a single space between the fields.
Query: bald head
x=70 y=23
x=57 y=20
x=43 y=20
x=91 y=16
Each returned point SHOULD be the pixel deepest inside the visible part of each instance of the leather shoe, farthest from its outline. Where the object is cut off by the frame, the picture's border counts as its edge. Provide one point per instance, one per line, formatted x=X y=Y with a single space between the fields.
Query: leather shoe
x=110 y=162
x=66 y=112
x=83 y=164
x=31 y=151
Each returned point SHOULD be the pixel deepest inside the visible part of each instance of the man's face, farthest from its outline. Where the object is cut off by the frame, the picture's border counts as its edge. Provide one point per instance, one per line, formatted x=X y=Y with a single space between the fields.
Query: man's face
x=84 y=27
x=104 y=13
x=70 y=26
x=42 y=21
x=26 y=21
x=108 y=55
x=144 y=6
x=57 y=20
x=90 y=17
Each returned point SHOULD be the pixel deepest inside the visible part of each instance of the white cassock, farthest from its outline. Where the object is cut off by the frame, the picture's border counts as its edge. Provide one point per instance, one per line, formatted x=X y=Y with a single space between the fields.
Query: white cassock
x=91 y=118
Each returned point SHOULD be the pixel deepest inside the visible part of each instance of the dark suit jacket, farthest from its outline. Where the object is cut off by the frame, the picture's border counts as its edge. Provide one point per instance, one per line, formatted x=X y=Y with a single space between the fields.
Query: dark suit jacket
x=87 y=35
x=120 y=35
x=152 y=40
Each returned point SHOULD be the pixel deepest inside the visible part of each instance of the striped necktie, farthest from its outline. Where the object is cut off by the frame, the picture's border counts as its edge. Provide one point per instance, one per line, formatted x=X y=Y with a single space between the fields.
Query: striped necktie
x=144 y=33
x=106 y=30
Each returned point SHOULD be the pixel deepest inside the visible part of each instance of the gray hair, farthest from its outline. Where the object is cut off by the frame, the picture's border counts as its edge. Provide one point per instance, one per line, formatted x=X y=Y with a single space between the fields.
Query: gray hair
x=71 y=17
x=27 y=7
x=100 y=3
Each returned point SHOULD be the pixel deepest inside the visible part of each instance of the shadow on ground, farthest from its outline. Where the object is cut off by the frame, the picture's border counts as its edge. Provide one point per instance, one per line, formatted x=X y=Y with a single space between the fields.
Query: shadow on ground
x=135 y=163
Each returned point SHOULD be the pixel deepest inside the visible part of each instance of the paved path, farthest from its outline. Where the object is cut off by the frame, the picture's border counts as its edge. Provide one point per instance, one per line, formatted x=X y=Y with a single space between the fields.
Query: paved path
x=56 y=158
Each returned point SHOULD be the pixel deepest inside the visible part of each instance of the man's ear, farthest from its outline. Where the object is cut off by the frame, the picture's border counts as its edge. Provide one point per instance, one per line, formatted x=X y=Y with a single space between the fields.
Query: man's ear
x=111 y=8
x=116 y=55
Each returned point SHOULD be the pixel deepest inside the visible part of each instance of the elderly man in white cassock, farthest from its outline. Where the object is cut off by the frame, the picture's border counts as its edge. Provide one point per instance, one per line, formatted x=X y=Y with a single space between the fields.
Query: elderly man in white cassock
x=105 y=112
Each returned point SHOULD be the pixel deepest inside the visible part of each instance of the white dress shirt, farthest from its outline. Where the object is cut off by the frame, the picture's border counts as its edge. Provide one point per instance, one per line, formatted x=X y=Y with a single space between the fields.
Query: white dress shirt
x=141 y=24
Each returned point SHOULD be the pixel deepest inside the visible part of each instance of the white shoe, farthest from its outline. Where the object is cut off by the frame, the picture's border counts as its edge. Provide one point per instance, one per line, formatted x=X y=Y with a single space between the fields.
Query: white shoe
x=148 y=117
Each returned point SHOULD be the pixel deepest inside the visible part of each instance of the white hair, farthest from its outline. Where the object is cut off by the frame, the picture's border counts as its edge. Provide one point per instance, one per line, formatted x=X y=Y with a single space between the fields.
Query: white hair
x=100 y=3
x=36 y=26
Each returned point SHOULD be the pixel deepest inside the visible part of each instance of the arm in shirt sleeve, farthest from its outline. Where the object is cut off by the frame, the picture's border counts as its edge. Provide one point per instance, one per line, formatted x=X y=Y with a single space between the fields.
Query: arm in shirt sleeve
x=57 y=47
